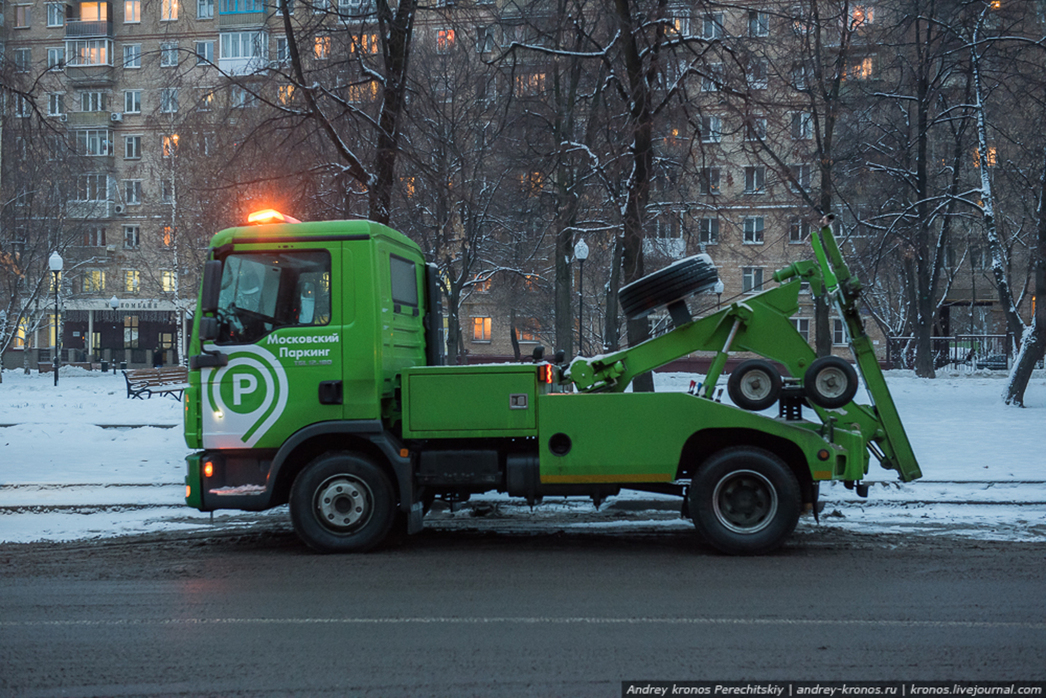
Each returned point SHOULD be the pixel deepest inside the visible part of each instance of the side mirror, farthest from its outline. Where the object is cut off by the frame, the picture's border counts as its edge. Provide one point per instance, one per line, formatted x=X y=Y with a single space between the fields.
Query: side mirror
x=208 y=328
x=212 y=288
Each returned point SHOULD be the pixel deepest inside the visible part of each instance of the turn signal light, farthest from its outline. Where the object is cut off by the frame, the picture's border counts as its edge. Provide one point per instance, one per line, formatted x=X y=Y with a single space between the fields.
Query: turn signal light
x=270 y=215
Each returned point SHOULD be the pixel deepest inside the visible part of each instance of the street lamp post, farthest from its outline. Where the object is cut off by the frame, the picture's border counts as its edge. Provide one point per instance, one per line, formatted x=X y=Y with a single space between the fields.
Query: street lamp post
x=114 y=303
x=719 y=288
x=580 y=254
x=55 y=262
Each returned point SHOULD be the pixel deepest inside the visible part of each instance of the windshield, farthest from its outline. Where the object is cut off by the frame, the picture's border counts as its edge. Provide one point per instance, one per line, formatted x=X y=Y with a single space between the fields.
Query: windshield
x=263 y=291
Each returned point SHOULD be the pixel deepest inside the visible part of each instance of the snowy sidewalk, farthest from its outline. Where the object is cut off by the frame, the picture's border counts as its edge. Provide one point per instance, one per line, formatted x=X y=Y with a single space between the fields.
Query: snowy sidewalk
x=82 y=461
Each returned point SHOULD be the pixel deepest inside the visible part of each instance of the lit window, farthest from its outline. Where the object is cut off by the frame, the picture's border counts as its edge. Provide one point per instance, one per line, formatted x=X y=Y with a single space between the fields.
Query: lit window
x=170 y=145
x=22 y=16
x=366 y=92
x=481 y=327
x=482 y=285
x=530 y=84
x=322 y=47
x=93 y=280
x=285 y=93
x=168 y=10
x=132 y=279
x=991 y=159
x=528 y=331
x=167 y=281
x=861 y=14
x=167 y=236
x=89 y=52
x=531 y=182
x=444 y=40
x=862 y=69
x=363 y=43
x=132 y=11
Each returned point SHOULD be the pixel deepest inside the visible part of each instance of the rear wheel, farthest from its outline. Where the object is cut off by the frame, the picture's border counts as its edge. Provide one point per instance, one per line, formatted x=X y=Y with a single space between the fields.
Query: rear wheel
x=754 y=385
x=744 y=501
x=830 y=382
x=342 y=502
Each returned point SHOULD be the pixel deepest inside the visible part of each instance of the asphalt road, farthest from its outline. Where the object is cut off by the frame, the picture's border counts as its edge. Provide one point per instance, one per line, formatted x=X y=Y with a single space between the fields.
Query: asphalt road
x=480 y=613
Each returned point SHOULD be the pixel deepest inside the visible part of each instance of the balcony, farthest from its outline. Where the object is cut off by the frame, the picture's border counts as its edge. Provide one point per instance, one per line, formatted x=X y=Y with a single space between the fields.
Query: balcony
x=90 y=75
x=88 y=119
x=242 y=20
x=78 y=29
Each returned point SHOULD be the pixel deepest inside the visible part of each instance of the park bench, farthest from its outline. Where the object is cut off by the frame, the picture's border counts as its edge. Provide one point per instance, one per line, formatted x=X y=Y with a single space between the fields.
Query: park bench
x=167 y=380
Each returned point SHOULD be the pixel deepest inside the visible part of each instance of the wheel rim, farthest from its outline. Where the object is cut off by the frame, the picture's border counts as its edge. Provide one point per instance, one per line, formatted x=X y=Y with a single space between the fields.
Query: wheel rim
x=344 y=503
x=831 y=382
x=745 y=501
x=756 y=385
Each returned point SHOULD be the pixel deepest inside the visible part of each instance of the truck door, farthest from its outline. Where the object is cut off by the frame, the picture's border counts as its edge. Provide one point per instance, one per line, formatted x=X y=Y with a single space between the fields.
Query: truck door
x=279 y=324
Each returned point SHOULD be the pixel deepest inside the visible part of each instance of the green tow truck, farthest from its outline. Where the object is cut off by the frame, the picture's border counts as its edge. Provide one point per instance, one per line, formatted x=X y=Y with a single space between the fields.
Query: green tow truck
x=317 y=379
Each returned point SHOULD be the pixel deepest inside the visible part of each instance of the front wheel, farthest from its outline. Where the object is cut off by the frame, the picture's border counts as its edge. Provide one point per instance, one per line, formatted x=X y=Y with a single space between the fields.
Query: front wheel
x=744 y=501
x=342 y=503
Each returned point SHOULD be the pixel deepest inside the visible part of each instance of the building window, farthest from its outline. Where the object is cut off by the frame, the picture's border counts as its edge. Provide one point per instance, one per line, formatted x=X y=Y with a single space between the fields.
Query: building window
x=708 y=231
x=711 y=129
x=712 y=26
x=167 y=191
x=132 y=192
x=167 y=236
x=22 y=16
x=204 y=9
x=838 y=331
x=131 y=279
x=753 y=230
x=132 y=147
x=132 y=102
x=169 y=100
x=132 y=56
x=93 y=281
x=167 y=281
x=23 y=108
x=92 y=187
x=55 y=14
x=23 y=60
x=530 y=84
x=799 y=177
x=97 y=142
x=755 y=179
x=366 y=92
x=168 y=55
x=481 y=329
x=322 y=47
x=802 y=326
x=168 y=10
x=712 y=79
x=56 y=58
x=94 y=237
x=861 y=69
x=444 y=40
x=89 y=52
x=282 y=52
x=132 y=11
x=798 y=231
x=865 y=14
x=170 y=145
x=708 y=180
x=284 y=94
x=755 y=128
x=206 y=101
x=758 y=72
x=55 y=104
x=242 y=98
x=758 y=23
x=802 y=125
x=130 y=331
x=799 y=81
x=528 y=330
x=204 y=53
x=94 y=101
x=751 y=279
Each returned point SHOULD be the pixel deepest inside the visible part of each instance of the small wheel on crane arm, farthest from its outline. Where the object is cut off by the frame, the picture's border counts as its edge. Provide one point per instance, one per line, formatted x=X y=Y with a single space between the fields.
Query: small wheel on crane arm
x=342 y=502
x=830 y=382
x=666 y=286
x=744 y=501
x=754 y=385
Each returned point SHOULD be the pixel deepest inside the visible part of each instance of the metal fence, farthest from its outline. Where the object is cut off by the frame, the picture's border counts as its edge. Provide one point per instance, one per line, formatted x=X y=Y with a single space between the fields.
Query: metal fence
x=972 y=351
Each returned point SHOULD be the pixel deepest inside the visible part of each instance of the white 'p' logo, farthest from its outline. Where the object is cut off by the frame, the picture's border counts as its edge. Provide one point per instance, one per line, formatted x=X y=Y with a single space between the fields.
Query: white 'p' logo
x=243 y=384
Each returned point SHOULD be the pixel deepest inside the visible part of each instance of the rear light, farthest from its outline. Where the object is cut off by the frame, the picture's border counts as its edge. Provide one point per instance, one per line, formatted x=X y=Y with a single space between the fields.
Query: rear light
x=188 y=491
x=545 y=373
x=208 y=468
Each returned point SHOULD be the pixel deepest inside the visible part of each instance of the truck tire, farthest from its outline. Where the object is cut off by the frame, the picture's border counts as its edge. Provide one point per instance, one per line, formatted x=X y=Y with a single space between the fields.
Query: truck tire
x=342 y=503
x=830 y=382
x=675 y=282
x=754 y=385
x=744 y=501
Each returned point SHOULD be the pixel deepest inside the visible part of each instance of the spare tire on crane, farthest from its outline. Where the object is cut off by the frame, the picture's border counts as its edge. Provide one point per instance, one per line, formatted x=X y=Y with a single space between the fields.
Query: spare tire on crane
x=666 y=286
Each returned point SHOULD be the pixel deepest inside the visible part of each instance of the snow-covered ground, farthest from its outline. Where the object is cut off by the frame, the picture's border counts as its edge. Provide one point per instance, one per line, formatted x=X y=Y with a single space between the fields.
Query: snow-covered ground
x=82 y=461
